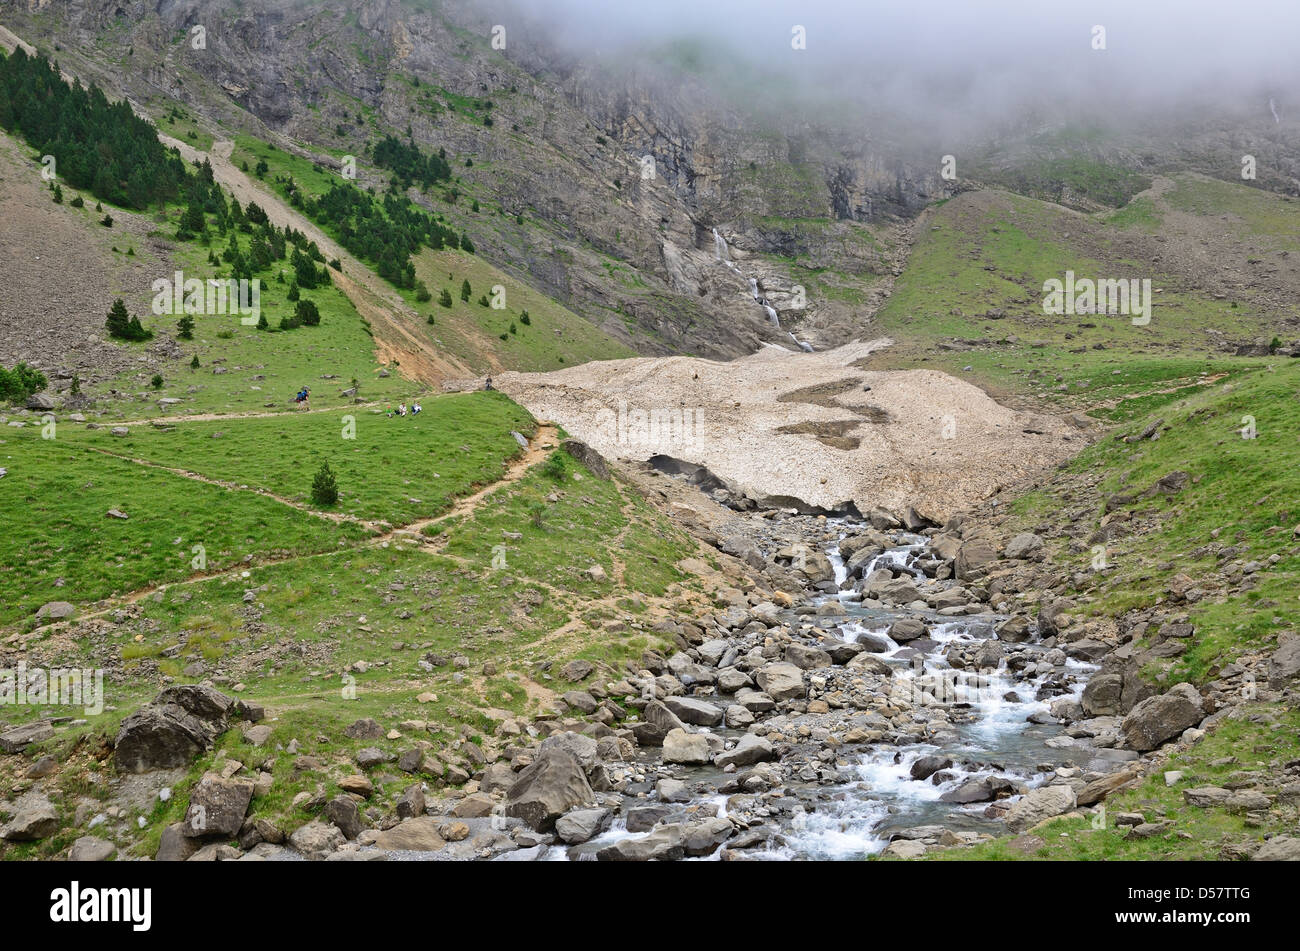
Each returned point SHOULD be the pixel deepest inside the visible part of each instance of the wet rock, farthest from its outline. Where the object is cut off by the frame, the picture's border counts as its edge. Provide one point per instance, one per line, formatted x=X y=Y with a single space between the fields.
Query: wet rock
x=926 y=766
x=645 y=818
x=908 y=629
x=580 y=825
x=663 y=845
x=986 y=789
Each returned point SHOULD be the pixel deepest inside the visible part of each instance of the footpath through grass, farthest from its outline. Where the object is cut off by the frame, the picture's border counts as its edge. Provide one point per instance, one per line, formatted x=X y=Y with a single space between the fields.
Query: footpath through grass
x=394 y=469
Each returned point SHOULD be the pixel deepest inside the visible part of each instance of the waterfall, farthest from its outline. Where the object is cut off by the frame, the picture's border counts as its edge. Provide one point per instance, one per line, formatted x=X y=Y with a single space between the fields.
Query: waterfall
x=804 y=345
x=720 y=247
x=1272 y=107
x=753 y=289
x=771 y=315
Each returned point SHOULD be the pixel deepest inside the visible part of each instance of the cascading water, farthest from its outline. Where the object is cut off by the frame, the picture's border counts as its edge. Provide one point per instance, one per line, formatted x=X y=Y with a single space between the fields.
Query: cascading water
x=720 y=247
x=1272 y=107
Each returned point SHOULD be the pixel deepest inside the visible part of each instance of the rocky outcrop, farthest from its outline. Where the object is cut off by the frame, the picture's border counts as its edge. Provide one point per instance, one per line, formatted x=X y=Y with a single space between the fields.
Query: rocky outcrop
x=177 y=726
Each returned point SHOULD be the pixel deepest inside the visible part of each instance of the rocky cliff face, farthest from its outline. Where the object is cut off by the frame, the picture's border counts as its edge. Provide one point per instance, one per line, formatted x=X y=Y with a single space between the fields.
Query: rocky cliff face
x=618 y=180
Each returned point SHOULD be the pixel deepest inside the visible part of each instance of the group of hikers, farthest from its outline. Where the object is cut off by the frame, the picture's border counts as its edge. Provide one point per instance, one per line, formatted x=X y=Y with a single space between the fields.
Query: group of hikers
x=303 y=396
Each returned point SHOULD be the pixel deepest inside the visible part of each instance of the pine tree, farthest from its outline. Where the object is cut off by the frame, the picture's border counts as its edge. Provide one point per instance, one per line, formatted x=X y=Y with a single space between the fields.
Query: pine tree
x=445 y=299
x=118 y=322
x=185 y=327
x=194 y=364
x=324 y=489
x=465 y=291
x=307 y=313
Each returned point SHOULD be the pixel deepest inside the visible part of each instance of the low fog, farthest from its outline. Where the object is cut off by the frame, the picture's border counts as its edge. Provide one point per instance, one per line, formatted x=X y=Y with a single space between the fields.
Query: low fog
x=948 y=65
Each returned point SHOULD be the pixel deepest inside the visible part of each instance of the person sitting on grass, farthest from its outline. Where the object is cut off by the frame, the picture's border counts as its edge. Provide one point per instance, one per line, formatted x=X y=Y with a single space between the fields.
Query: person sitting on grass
x=415 y=408
x=401 y=409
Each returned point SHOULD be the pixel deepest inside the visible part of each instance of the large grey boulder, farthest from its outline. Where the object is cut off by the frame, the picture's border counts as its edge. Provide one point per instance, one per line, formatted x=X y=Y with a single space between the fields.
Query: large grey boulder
x=973 y=558
x=177 y=726
x=697 y=712
x=55 y=611
x=316 y=839
x=1103 y=696
x=34 y=817
x=547 y=788
x=580 y=825
x=749 y=749
x=806 y=657
x=1284 y=665
x=1039 y=804
x=1023 y=546
x=691 y=749
x=417 y=834
x=782 y=682
x=1158 y=719
x=90 y=848
x=1282 y=848
x=663 y=844
x=908 y=629
x=18 y=738
x=217 y=807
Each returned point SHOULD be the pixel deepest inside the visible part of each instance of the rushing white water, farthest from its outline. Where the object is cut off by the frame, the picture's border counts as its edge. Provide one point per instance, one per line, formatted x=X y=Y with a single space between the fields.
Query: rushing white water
x=986 y=733
x=1272 y=107
x=720 y=247
x=990 y=732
